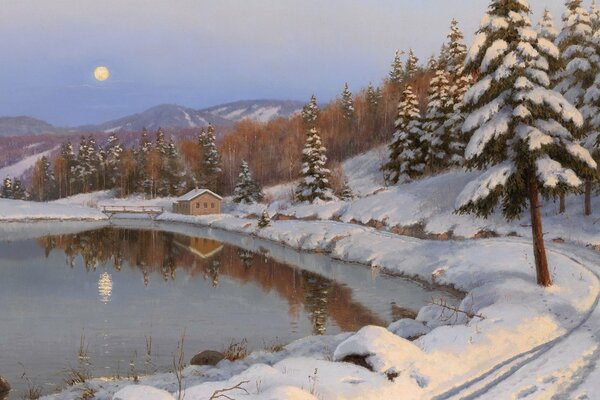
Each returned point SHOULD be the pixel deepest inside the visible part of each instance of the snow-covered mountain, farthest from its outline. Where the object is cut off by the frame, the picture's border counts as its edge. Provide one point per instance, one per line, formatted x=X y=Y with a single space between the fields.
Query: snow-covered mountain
x=22 y=125
x=176 y=116
x=164 y=115
x=256 y=110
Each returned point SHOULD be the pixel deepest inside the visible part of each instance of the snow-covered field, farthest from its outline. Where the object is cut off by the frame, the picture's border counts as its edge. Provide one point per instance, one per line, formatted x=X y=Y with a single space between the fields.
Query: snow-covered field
x=16 y=170
x=508 y=339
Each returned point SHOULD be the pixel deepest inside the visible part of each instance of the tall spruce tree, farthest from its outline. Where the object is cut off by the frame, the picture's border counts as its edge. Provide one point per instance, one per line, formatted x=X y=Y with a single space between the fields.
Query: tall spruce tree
x=437 y=139
x=18 y=191
x=347 y=104
x=520 y=129
x=373 y=99
x=406 y=155
x=412 y=64
x=113 y=152
x=7 y=188
x=314 y=183
x=547 y=30
x=141 y=156
x=396 y=74
x=246 y=190
x=460 y=82
x=310 y=113
x=580 y=66
x=211 y=160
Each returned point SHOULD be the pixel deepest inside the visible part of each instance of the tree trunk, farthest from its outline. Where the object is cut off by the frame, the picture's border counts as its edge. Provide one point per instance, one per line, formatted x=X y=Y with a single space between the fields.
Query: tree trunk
x=562 y=206
x=539 y=250
x=588 y=198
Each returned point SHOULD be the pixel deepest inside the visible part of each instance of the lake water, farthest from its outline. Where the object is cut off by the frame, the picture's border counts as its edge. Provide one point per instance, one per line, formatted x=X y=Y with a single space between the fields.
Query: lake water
x=122 y=297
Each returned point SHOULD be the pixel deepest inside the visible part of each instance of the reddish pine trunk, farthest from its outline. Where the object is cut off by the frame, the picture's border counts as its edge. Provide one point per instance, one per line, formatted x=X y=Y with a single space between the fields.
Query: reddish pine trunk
x=539 y=250
x=588 y=197
x=562 y=205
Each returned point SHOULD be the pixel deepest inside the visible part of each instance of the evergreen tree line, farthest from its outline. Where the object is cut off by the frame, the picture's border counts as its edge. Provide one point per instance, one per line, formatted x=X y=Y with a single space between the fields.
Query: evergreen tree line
x=154 y=168
x=431 y=139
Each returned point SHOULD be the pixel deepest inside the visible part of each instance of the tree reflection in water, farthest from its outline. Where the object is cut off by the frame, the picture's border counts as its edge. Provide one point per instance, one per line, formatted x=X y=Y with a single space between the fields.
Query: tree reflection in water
x=162 y=254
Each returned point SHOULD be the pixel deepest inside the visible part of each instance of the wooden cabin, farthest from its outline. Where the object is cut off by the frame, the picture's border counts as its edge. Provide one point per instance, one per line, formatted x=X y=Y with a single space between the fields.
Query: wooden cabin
x=198 y=202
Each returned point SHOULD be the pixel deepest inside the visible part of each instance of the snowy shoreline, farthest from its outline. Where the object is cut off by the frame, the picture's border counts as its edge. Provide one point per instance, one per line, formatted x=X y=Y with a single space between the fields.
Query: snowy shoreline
x=474 y=349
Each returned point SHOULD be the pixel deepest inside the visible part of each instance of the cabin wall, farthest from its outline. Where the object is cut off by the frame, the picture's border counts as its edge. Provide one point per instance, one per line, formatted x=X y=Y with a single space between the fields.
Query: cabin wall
x=204 y=204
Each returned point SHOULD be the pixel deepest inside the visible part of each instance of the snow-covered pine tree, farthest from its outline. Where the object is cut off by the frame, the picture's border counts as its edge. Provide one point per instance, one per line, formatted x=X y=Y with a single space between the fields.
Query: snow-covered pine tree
x=67 y=154
x=18 y=190
x=310 y=113
x=346 y=192
x=547 y=30
x=457 y=50
x=412 y=64
x=160 y=142
x=373 y=99
x=437 y=139
x=460 y=82
x=7 y=188
x=264 y=220
x=580 y=66
x=520 y=128
x=397 y=70
x=141 y=155
x=87 y=166
x=246 y=190
x=211 y=160
x=406 y=155
x=546 y=27
x=347 y=104
x=444 y=59
x=594 y=16
x=113 y=152
x=173 y=177
x=314 y=184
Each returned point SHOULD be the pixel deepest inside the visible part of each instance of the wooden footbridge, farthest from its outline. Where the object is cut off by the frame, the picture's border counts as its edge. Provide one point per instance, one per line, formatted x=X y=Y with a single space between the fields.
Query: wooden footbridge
x=151 y=211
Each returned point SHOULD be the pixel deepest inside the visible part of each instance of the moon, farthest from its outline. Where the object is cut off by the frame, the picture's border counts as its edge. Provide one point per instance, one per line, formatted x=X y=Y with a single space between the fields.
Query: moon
x=101 y=73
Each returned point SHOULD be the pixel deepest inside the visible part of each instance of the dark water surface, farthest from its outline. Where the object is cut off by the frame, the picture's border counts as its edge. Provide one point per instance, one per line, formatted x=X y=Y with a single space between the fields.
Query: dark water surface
x=116 y=300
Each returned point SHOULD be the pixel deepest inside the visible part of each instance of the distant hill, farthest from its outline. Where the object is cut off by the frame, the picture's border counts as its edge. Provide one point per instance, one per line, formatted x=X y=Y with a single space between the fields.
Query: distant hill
x=22 y=125
x=164 y=115
x=256 y=110
x=176 y=116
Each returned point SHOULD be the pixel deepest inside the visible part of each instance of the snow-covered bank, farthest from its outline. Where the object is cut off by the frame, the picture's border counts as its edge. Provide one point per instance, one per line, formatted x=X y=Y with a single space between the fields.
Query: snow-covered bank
x=427 y=207
x=18 y=210
x=504 y=316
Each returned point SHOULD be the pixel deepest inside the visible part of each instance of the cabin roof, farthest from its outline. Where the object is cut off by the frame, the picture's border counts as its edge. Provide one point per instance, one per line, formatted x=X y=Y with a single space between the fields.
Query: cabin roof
x=191 y=195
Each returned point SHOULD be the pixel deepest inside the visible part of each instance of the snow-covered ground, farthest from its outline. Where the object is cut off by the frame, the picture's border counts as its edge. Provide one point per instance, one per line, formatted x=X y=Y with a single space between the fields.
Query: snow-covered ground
x=19 y=210
x=16 y=170
x=508 y=339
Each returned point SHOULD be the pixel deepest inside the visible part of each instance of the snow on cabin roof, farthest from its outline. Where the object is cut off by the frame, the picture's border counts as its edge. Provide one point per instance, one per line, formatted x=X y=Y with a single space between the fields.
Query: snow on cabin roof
x=191 y=195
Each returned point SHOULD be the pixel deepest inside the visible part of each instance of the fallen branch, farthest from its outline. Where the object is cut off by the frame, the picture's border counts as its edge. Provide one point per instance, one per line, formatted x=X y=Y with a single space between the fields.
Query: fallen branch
x=221 y=392
x=454 y=310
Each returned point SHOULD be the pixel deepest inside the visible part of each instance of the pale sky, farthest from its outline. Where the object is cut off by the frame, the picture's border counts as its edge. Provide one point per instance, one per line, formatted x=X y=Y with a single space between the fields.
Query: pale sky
x=199 y=53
